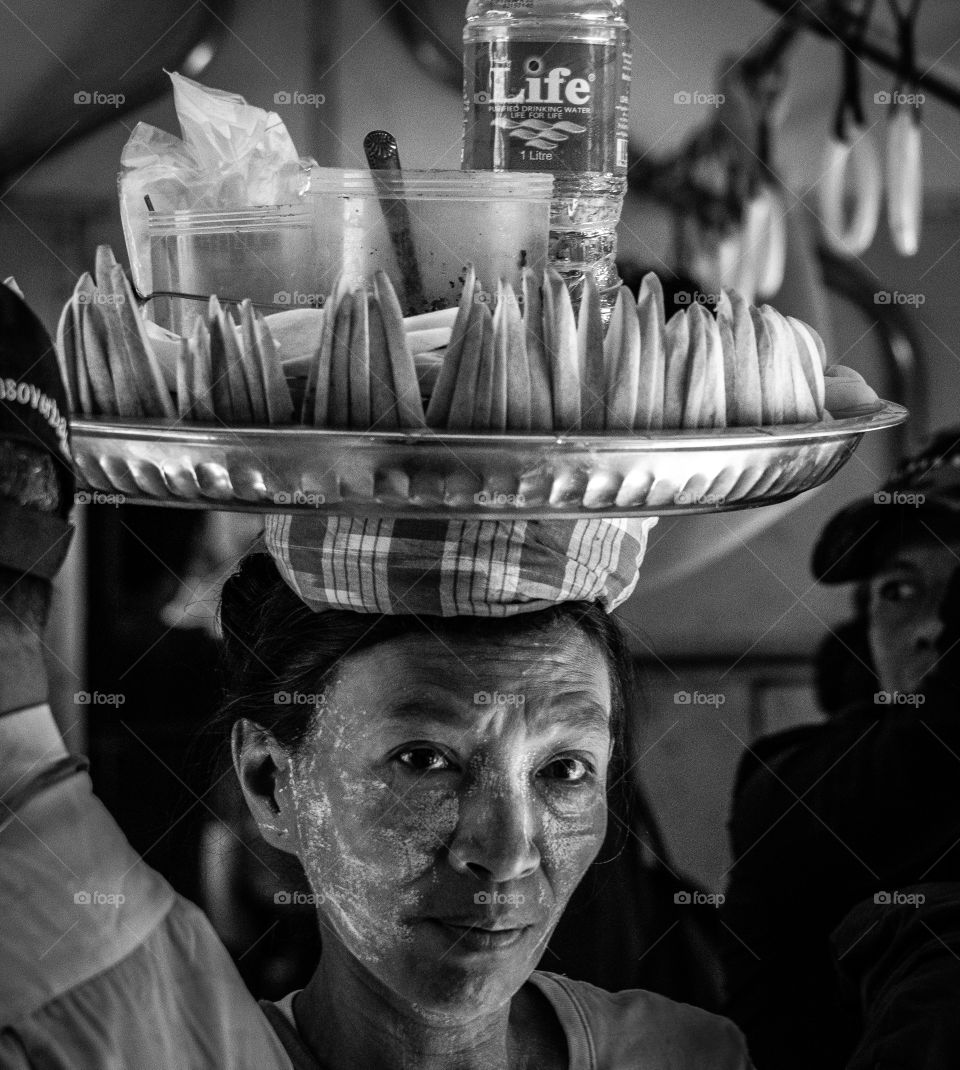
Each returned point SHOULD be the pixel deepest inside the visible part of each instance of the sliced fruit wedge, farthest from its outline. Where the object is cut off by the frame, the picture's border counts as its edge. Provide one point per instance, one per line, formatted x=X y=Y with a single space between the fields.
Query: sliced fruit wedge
x=360 y=363
x=653 y=355
x=622 y=359
x=748 y=389
x=541 y=388
x=250 y=349
x=560 y=339
x=590 y=354
x=405 y=385
x=715 y=392
x=185 y=406
x=809 y=356
x=339 y=411
x=695 y=412
x=483 y=414
x=204 y=404
x=509 y=336
x=676 y=337
x=464 y=400
x=804 y=405
x=95 y=354
x=383 y=400
x=438 y=409
x=240 y=389
x=154 y=393
x=276 y=393
x=771 y=387
x=67 y=358
x=318 y=394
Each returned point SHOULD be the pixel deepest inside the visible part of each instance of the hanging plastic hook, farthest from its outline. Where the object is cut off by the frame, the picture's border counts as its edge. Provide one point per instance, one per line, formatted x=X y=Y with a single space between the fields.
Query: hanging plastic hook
x=904 y=142
x=850 y=147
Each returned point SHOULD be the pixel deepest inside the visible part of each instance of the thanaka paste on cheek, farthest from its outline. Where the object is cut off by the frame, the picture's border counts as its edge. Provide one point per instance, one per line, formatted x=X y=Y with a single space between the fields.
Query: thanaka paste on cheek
x=366 y=843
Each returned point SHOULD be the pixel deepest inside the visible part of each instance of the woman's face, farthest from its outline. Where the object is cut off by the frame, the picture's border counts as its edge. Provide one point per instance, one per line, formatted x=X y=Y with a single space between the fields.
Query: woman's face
x=450 y=798
x=907 y=597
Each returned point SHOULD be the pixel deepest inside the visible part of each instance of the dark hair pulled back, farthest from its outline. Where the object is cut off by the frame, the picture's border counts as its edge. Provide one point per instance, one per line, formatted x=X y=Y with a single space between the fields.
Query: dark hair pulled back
x=274 y=646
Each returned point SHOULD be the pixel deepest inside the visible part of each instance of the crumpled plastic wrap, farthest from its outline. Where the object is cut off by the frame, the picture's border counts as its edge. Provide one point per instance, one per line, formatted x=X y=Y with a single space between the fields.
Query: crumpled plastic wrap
x=232 y=155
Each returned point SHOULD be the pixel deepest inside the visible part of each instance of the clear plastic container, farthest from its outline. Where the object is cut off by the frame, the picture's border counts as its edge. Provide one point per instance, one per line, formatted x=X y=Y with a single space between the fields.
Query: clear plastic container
x=547 y=88
x=439 y=220
x=264 y=254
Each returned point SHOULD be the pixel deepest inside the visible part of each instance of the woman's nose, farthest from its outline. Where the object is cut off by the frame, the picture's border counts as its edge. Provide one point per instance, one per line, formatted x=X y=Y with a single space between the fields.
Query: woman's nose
x=494 y=838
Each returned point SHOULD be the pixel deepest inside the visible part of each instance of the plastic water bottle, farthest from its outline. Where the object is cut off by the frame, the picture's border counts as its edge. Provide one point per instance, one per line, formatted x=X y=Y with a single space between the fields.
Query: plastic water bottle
x=547 y=88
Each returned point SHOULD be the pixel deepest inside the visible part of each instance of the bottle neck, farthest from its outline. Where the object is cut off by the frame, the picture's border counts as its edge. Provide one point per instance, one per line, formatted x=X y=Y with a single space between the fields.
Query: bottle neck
x=547 y=29
x=606 y=13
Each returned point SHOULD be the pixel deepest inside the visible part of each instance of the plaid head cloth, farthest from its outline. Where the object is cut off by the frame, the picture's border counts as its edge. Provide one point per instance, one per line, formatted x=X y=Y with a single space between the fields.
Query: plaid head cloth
x=451 y=568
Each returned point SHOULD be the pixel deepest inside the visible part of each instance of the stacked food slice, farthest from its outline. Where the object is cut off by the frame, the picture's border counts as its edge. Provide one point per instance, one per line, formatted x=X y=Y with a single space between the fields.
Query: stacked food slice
x=363 y=375
x=106 y=360
x=359 y=366
x=551 y=370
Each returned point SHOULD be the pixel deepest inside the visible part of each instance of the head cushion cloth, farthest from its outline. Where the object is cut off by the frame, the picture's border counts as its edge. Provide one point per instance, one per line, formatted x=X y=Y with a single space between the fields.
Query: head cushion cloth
x=451 y=568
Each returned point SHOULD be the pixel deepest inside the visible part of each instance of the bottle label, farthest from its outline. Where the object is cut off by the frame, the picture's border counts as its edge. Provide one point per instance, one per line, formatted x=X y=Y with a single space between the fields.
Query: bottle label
x=546 y=106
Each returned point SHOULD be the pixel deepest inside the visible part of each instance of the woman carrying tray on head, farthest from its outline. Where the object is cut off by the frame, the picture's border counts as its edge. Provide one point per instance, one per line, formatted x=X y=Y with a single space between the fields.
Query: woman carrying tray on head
x=443 y=788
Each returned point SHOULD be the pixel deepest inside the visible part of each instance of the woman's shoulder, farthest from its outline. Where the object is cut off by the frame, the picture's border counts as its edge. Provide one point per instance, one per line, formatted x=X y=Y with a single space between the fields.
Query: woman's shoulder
x=632 y=1028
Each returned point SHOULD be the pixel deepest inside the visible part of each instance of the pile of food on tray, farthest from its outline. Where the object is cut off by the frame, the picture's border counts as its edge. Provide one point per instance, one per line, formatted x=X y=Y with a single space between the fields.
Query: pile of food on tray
x=358 y=364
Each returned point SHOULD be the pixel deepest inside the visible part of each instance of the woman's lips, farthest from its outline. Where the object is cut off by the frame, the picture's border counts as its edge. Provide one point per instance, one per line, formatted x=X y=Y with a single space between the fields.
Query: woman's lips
x=490 y=935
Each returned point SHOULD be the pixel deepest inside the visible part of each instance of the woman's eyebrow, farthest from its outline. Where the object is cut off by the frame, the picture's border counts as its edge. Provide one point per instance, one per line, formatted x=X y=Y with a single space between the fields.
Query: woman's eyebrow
x=420 y=707
x=589 y=715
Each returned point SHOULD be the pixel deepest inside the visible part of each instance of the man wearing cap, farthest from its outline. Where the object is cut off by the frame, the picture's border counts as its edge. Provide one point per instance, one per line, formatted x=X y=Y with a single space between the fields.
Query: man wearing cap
x=101 y=963
x=844 y=900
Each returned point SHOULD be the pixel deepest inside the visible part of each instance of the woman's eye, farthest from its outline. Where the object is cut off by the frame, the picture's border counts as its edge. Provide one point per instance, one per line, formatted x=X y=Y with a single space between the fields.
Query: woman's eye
x=573 y=770
x=424 y=760
x=897 y=590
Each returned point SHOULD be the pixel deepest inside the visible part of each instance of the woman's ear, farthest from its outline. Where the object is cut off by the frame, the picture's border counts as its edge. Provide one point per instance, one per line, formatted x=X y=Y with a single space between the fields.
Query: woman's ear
x=263 y=769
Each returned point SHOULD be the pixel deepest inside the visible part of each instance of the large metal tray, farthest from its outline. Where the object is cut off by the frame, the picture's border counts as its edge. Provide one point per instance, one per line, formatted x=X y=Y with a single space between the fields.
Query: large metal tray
x=477 y=474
